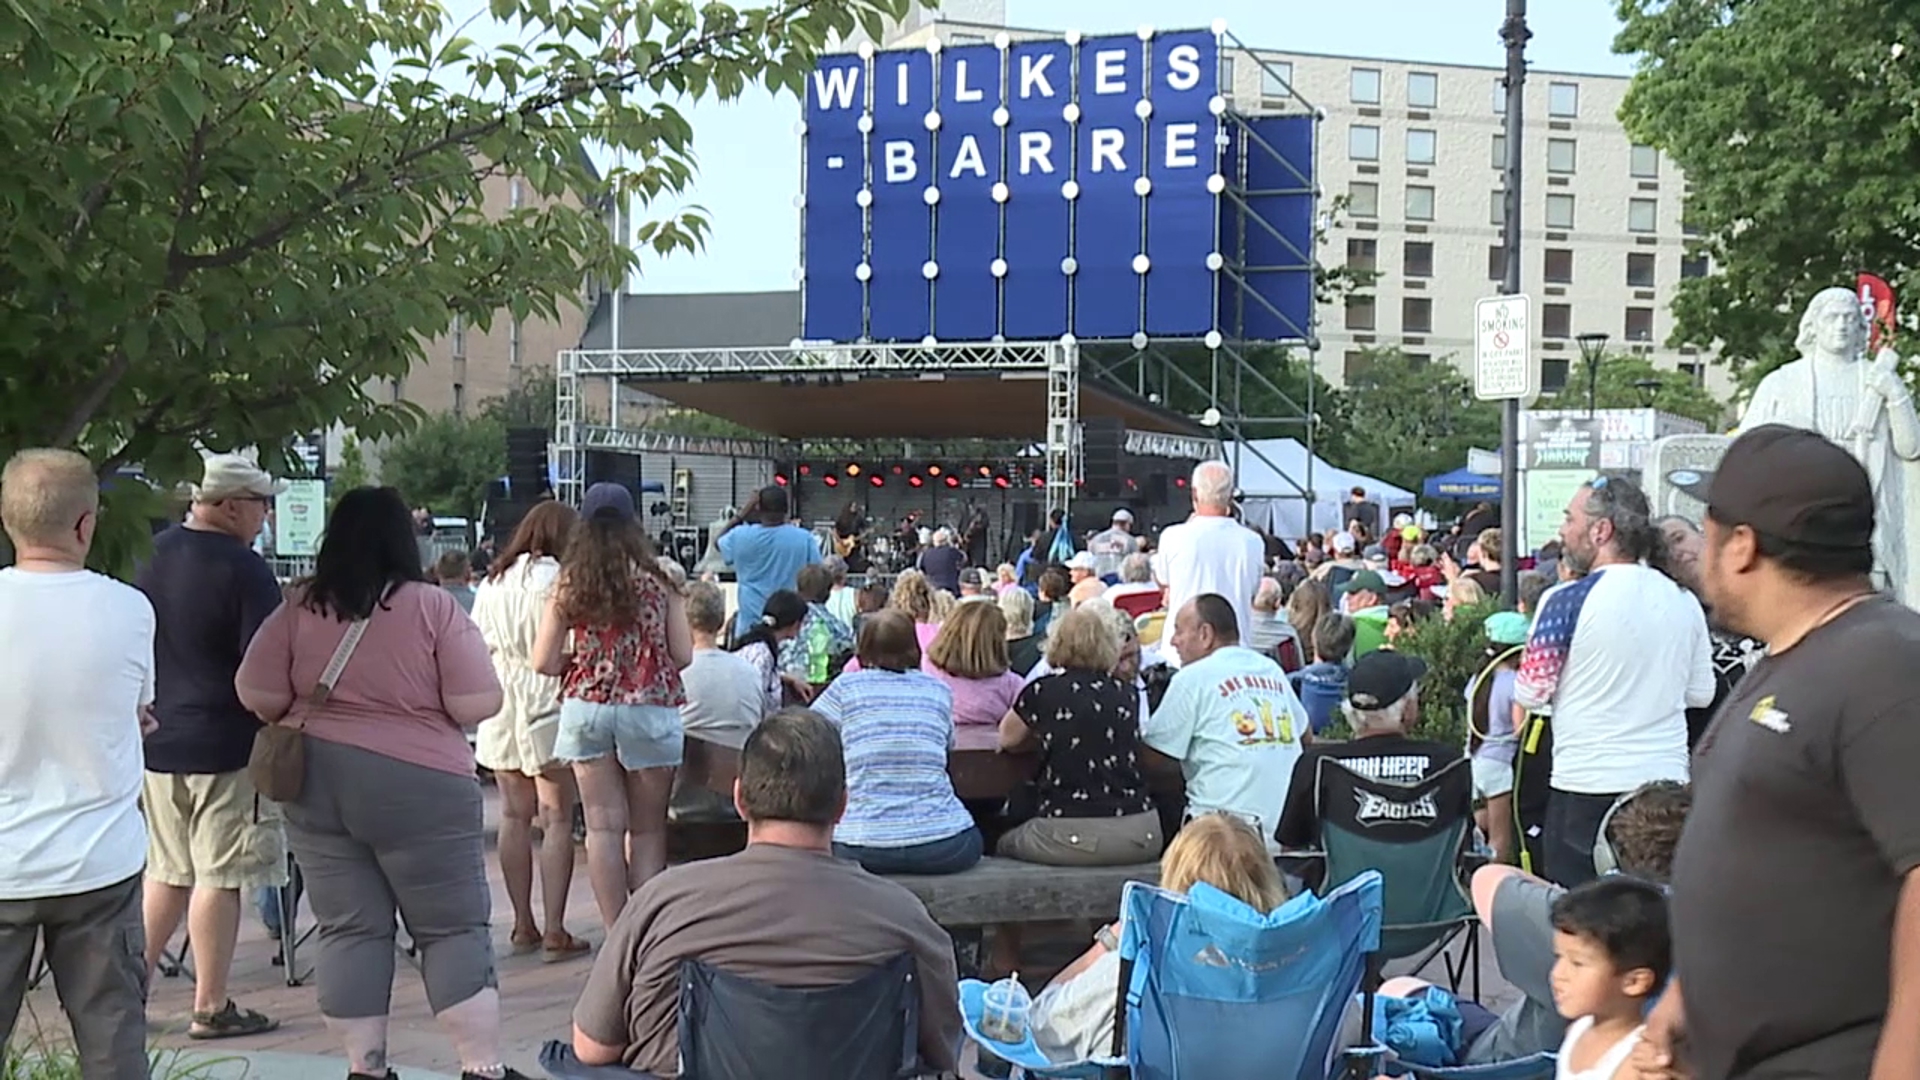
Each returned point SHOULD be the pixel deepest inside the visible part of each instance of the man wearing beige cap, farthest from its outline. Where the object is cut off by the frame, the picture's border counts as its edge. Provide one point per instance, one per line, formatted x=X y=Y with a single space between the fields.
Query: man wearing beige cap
x=209 y=836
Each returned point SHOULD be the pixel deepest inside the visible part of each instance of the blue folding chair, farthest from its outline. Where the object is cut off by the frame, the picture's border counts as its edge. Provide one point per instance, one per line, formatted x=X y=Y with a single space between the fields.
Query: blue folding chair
x=1534 y=1067
x=1214 y=990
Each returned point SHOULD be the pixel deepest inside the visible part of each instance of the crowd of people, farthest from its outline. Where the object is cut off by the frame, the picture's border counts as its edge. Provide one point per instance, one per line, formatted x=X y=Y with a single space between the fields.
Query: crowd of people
x=1177 y=696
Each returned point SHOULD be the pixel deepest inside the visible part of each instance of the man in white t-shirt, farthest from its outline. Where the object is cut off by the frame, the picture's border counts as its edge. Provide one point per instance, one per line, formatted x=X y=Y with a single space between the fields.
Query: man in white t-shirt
x=1112 y=544
x=76 y=680
x=1212 y=553
x=1617 y=655
x=1229 y=719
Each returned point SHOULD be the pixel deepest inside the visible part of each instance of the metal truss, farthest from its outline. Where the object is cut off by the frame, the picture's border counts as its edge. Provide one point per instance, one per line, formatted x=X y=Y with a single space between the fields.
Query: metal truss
x=569 y=457
x=1063 y=428
x=641 y=441
x=679 y=365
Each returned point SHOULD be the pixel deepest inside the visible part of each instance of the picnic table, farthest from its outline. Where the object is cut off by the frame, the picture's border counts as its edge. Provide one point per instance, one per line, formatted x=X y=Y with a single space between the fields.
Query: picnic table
x=979 y=768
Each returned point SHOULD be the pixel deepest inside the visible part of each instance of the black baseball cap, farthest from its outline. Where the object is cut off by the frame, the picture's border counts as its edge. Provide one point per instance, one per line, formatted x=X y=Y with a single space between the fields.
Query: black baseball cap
x=1382 y=677
x=1794 y=485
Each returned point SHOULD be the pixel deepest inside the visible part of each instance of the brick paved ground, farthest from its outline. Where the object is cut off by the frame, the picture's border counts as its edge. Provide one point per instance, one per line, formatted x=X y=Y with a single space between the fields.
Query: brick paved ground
x=536 y=998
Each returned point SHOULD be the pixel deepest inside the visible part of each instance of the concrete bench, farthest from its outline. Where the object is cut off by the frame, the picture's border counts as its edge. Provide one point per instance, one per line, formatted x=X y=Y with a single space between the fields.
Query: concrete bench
x=1010 y=891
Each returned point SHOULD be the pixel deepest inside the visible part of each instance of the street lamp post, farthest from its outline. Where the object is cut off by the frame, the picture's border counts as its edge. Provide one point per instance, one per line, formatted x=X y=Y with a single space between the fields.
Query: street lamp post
x=1592 y=347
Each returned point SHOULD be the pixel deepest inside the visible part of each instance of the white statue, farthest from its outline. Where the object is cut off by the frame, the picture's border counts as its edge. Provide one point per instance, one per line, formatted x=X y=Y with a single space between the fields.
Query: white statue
x=1866 y=408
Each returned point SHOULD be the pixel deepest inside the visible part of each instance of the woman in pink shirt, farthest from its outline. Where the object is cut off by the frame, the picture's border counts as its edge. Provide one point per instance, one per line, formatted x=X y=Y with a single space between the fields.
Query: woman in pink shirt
x=389 y=812
x=616 y=633
x=969 y=654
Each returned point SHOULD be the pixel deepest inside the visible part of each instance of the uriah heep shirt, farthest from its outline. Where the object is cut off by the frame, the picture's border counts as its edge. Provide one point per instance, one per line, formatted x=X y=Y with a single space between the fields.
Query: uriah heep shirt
x=1804 y=827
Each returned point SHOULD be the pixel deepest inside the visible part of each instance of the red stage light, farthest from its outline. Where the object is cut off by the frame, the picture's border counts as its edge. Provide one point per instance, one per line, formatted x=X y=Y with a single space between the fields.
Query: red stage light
x=915 y=481
x=877 y=480
x=1040 y=481
x=1002 y=482
x=1179 y=481
x=830 y=480
x=953 y=481
x=780 y=478
x=897 y=470
x=806 y=470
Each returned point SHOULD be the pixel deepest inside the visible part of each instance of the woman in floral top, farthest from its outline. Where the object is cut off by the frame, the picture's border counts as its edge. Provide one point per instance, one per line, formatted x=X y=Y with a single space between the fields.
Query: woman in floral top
x=620 y=691
x=1092 y=806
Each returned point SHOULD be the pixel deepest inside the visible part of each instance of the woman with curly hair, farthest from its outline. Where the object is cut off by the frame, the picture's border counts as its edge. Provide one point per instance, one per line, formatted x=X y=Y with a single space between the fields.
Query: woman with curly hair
x=615 y=631
x=913 y=597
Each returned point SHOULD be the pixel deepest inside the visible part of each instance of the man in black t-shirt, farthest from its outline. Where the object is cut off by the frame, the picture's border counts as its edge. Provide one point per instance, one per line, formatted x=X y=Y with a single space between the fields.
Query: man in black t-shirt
x=1796 y=886
x=1383 y=700
x=208 y=837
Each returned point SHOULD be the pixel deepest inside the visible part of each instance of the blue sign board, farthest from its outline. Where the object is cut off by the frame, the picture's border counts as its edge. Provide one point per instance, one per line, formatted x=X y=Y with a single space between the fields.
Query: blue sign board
x=1041 y=189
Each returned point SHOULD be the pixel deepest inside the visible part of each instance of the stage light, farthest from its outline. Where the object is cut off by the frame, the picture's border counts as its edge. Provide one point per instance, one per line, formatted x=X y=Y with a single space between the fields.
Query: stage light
x=1002 y=482
x=830 y=480
x=986 y=471
x=1180 y=481
x=806 y=469
x=780 y=478
x=933 y=470
x=1132 y=484
x=915 y=481
x=877 y=480
x=898 y=469
x=853 y=469
x=1039 y=481
x=953 y=481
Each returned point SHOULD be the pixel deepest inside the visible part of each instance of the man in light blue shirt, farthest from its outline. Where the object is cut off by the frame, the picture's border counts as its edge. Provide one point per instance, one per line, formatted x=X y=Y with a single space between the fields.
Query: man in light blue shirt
x=1229 y=719
x=765 y=551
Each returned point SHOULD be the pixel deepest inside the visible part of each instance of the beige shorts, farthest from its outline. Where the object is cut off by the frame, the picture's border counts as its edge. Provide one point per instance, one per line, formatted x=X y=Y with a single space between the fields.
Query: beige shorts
x=211 y=830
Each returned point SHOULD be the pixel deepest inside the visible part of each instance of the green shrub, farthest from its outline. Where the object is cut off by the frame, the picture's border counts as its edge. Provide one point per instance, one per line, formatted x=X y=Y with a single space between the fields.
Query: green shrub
x=1455 y=652
x=45 y=1052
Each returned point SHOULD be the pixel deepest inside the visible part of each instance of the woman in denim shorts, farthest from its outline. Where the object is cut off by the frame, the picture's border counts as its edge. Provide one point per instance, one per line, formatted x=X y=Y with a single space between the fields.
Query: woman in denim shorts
x=615 y=632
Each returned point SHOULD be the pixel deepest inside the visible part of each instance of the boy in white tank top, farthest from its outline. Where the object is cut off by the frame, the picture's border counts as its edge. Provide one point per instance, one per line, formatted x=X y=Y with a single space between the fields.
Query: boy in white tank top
x=1612 y=953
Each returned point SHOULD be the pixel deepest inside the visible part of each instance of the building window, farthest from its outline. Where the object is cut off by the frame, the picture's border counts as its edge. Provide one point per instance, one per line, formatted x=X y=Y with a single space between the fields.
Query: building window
x=459 y=399
x=1359 y=312
x=1499 y=151
x=1553 y=374
x=1560 y=155
x=1694 y=265
x=1497 y=208
x=1419 y=359
x=1363 y=254
x=1640 y=269
x=1276 y=79
x=1416 y=315
x=1419 y=203
x=1417 y=259
x=1423 y=90
x=1563 y=99
x=1556 y=320
x=1496 y=262
x=1363 y=199
x=1363 y=142
x=513 y=344
x=1639 y=324
x=1644 y=161
x=1420 y=146
x=515 y=194
x=1643 y=215
x=1364 y=86
x=1687 y=226
x=1696 y=372
x=1226 y=74
x=1354 y=360
x=1500 y=96
x=1559 y=266
x=1559 y=211
x=459 y=338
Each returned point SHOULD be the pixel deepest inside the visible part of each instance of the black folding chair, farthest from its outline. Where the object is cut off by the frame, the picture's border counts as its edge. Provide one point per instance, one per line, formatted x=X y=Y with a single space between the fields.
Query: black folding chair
x=1415 y=835
x=735 y=1028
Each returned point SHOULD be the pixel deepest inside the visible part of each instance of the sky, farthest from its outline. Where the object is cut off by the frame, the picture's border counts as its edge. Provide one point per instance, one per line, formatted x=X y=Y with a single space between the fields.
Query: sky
x=749 y=152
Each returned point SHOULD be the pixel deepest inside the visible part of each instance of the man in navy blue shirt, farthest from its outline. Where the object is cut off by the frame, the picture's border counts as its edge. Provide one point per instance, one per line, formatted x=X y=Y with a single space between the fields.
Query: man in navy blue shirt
x=209 y=835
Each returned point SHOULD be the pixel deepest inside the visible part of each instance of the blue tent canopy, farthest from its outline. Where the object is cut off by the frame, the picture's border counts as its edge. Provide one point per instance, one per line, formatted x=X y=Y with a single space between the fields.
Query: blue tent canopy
x=1461 y=484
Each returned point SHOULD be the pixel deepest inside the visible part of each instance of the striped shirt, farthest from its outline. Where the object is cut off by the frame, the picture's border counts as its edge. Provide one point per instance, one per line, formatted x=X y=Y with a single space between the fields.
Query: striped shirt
x=897 y=728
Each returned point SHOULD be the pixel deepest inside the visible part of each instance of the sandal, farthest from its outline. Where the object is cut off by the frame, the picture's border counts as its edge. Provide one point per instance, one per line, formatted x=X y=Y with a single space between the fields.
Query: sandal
x=228 y=1022
x=524 y=944
x=557 y=949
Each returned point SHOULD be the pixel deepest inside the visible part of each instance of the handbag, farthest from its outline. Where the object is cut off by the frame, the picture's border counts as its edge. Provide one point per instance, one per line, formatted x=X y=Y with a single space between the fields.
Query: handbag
x=278 y=764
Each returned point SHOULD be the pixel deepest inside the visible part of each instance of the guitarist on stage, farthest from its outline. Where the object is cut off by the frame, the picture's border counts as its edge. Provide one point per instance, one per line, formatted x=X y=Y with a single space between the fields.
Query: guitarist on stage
x=850 y=538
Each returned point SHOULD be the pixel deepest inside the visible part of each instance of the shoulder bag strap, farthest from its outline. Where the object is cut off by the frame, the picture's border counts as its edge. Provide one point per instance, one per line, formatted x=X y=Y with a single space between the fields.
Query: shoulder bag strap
x=330 y=677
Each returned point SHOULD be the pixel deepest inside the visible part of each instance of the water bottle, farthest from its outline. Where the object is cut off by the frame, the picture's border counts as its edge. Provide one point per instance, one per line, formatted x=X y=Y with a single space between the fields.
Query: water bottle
x=819 y=644
x=1004 y=1009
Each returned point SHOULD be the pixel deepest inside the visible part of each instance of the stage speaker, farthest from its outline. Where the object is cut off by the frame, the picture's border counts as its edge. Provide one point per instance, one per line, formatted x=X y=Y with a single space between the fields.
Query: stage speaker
x=527 y=463
x=1023 y=520
x=608 y=467
x=685 y=545
x=1103 y=455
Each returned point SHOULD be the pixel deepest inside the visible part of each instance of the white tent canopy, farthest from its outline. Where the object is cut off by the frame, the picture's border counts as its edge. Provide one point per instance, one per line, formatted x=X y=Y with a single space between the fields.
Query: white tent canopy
x=1271 y=493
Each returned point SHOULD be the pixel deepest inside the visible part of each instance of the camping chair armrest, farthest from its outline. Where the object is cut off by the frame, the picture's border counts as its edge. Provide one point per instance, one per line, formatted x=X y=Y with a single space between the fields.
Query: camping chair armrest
x=1365 y=1062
